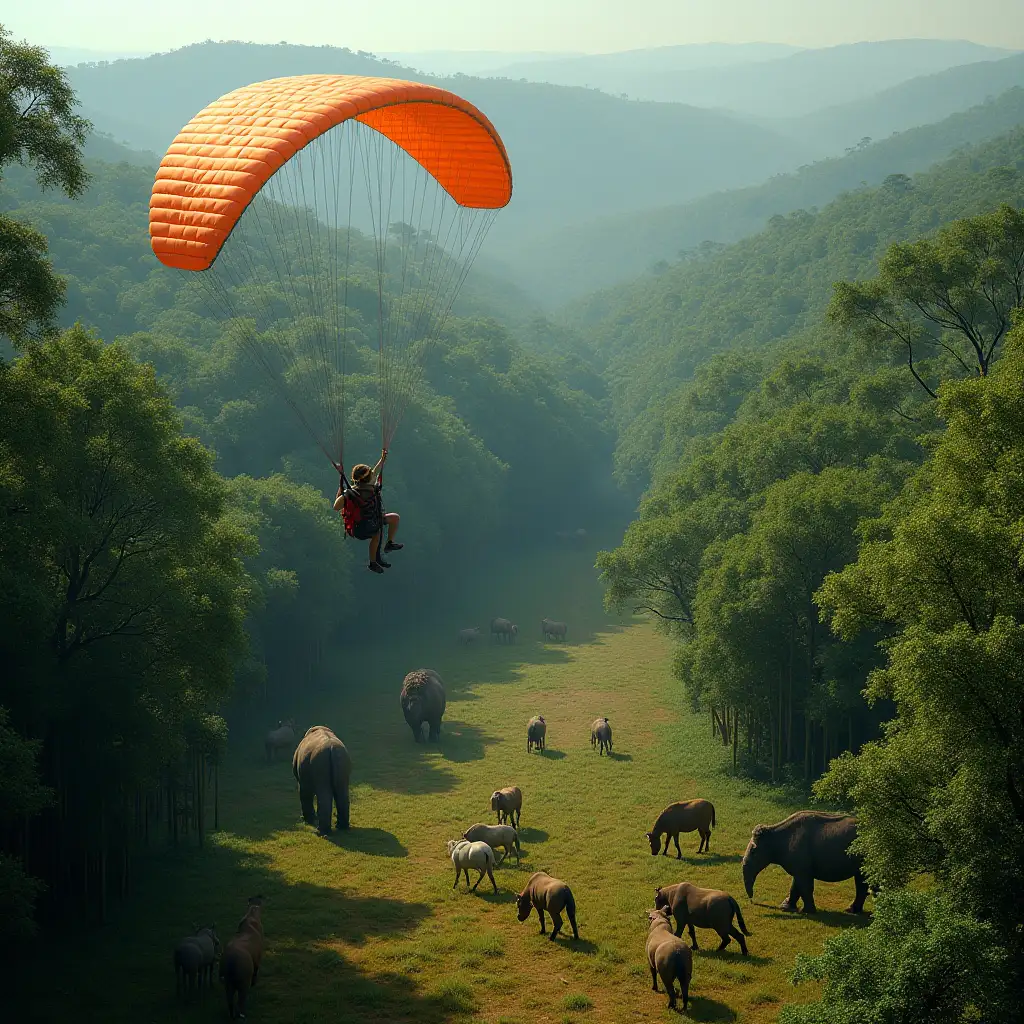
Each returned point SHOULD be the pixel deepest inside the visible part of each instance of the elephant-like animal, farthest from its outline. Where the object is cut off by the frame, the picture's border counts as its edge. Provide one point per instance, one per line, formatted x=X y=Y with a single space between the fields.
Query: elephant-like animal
x=322 y=768
x=809 y=846
x=423 y=700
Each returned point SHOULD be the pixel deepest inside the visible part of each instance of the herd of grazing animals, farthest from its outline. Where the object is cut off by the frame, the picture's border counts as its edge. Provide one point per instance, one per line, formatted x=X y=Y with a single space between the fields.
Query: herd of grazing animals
x=809 y=845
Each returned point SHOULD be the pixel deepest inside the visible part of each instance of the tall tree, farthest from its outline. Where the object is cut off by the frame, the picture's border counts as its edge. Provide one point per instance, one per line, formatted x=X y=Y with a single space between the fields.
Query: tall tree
x=946 y=302
x=38 y=128
x=942 y=794
x=121 y=586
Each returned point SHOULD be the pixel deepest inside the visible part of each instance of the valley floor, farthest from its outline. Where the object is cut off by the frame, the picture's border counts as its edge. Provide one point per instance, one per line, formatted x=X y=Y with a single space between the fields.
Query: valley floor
x=366 y=927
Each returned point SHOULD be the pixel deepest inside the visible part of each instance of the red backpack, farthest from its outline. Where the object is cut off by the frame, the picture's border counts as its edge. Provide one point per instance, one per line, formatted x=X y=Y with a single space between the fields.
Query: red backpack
x=356 y=513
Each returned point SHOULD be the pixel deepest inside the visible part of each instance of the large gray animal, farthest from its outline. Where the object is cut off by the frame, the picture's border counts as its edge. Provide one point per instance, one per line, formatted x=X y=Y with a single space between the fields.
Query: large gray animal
x=194 y=958
x=536 y=731
x=668 y=956
x=280 y=738
x=508 y=802
x=551 y=894
x=240 y=964
x=694 y=907
x=322 y=768
x=549 y=628
x=503 y=837
x=684 y=816
x=504 y=629
x=465 y=855
x=601 y=735
x=467 y=636
x=809 y=846
x=423 y=700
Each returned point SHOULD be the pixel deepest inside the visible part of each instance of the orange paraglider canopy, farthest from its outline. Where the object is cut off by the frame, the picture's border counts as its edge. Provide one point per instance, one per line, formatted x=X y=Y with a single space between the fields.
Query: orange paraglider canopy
x=222 y=158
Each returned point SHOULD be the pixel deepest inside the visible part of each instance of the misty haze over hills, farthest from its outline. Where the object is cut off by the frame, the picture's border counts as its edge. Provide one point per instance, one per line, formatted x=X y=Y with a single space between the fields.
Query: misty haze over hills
x=752 y=80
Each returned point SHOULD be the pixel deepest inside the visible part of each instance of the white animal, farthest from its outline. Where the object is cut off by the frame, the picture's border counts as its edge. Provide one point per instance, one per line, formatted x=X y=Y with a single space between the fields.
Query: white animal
x=466 y=855
x=495 y=836
x=281 y=738
x=467 y=636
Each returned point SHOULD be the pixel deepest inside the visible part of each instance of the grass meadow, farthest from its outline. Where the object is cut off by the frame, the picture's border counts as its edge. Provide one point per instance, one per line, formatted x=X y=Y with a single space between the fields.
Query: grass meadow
x=365 y=926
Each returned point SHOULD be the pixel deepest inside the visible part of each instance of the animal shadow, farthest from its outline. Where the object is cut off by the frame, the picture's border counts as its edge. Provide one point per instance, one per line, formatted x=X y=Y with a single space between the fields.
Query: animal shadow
x=732 y=954
x=501 y=896
x=373 y=841
x=833 y=918
x=553 y=755
x=702 y=1008
x=619 y=757
x=532 y=835
x=715 y=858
x=578 y=945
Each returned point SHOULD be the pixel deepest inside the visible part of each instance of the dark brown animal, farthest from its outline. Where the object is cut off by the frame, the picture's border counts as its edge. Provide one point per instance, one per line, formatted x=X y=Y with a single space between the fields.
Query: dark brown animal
x=504 y=629
x=808 y=845
x=668 y=956
x=322 y=767
x=685 y=816
x=423 y=700
x=240 y=964
x=694 y=907
x=536 y=730
x=551 y=894
x=508 y=802
x=601 y=734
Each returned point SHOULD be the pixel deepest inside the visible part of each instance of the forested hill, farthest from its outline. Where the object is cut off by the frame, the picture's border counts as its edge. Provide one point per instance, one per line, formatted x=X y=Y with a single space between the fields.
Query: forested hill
x=917 y=101
x=573 y=151
x=555 y=266
x=773 y=285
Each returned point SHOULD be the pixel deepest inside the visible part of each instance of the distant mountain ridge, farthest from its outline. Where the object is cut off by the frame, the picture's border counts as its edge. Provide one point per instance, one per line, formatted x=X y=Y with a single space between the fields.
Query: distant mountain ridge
x=922 y=100
x=581 y=258
x=792 y=84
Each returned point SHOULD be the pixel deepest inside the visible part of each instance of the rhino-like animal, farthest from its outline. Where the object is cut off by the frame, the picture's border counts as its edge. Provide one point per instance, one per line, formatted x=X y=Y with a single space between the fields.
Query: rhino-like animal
x=423 y=700
x=550 y=629
x=322 y=768
x=504 y=629
x=467 y=636
x=809 y=846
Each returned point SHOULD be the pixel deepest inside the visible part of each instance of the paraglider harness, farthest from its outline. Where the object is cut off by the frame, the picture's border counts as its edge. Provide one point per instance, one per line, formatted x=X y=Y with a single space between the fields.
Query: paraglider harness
x=363 y=518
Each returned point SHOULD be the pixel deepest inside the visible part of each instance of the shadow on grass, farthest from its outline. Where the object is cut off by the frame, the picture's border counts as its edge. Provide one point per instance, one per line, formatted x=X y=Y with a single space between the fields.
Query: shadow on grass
x=702 y=1008
x=613 y=756
x=461 y=742
x=552 y=754
x=714 y=858
x=330 y=987
x=373 y=841
x=833 y=918
x=532 y=835
x=212 y=885
x=732 y=954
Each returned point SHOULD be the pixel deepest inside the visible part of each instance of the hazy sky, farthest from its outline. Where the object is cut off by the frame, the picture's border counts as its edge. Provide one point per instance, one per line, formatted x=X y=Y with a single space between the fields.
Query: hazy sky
x=587 y=25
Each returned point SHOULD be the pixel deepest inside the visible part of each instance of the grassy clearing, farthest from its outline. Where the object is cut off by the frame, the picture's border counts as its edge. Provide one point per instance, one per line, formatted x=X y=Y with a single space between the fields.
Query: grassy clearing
x=366 y=926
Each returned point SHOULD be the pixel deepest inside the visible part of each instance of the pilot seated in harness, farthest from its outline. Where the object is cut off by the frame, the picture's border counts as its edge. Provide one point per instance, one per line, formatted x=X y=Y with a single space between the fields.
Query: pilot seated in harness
x=363 y=512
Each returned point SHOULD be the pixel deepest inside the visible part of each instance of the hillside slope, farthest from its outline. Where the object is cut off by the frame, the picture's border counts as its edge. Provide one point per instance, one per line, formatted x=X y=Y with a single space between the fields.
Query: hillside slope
x=915 y=102
x=557 y=266
x=654 y=332
x=574 y=152
x=788 y=85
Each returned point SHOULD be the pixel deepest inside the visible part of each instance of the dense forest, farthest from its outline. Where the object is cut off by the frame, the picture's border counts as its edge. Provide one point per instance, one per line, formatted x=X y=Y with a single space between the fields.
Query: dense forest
x=818 y=429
